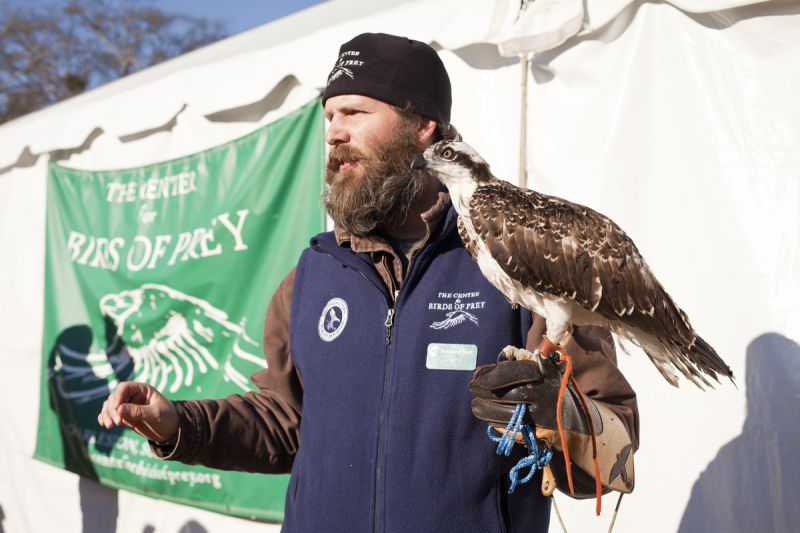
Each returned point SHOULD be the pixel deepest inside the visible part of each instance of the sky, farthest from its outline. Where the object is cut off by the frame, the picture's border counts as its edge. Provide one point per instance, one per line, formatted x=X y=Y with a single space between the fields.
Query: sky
x=238 y=15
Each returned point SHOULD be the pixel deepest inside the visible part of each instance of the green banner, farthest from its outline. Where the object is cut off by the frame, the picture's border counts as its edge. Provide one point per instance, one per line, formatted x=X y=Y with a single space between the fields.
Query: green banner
x=163 y=274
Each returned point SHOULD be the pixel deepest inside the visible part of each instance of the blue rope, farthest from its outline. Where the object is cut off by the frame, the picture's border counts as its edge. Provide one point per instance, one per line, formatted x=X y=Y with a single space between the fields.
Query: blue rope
x=505 y=442
x=535 y=460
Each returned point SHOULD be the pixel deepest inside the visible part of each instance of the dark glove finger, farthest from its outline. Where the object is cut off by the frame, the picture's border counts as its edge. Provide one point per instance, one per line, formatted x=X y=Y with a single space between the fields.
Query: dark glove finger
x=505 y=374
x=494 y=412
x=542 y=413
x=499 y=413
x=514 y=382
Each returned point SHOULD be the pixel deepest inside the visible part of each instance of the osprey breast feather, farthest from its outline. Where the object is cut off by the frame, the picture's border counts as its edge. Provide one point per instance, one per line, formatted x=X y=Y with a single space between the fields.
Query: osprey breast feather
x=568 y=263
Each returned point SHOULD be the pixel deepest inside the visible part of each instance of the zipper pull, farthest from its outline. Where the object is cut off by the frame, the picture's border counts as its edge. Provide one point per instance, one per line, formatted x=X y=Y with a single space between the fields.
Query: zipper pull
x=388 y=324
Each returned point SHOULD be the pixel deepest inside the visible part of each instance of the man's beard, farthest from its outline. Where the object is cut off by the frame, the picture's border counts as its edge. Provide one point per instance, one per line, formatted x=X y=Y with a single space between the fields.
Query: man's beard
x=381 y=196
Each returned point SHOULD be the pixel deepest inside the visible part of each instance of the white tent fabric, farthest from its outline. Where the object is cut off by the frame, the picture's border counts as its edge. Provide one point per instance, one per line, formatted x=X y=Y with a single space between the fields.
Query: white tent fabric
x=528 y=26
x=679 y=120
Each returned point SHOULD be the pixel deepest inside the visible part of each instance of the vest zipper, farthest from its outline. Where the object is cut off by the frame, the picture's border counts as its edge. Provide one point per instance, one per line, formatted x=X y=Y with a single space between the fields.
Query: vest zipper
x=388 y=324
x=394 y=291
x=377 y=509
x=378 y=503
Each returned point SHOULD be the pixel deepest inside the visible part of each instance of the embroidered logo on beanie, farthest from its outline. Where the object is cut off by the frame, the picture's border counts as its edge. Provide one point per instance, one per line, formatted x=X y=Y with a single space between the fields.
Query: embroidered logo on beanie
x=345 y=64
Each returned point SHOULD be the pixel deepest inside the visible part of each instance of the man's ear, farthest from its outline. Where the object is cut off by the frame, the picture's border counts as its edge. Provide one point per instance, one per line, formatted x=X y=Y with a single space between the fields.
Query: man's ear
x=426 y=130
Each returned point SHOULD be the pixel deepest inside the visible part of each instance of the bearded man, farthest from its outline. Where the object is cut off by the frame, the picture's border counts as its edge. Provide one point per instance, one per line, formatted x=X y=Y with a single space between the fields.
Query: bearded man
x=365 y=399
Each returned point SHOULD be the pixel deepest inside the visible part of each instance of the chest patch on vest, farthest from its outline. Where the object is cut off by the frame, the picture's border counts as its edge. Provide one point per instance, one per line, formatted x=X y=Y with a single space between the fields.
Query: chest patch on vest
x=442 y=356
x=333 y=319
x=457 y=308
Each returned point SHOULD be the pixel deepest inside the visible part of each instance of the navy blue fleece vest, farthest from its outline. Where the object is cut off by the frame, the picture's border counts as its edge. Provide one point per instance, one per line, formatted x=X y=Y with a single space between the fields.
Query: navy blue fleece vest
x=388 y=444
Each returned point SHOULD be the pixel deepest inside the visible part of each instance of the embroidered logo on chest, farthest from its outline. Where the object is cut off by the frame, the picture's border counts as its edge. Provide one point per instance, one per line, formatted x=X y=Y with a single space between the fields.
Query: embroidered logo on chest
x=457 y=307
x=333 y=319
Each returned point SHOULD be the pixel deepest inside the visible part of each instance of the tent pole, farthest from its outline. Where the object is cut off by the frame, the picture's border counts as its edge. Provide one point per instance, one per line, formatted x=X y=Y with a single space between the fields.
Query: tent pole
x=523 y=121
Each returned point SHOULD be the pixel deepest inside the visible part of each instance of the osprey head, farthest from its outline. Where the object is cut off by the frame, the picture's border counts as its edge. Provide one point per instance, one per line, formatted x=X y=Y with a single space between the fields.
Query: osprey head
x=458 y=166
x=453 y=162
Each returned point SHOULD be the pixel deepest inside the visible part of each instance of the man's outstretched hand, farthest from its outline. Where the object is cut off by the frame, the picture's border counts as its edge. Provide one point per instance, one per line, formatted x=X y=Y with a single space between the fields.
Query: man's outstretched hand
x=141 y=408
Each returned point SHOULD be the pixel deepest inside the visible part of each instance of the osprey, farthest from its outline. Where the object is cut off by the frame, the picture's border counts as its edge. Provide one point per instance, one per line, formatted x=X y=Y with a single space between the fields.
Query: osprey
x=567 y=263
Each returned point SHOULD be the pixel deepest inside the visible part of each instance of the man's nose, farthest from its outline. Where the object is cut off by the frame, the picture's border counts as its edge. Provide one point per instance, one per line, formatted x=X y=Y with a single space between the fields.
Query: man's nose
x=337 y=133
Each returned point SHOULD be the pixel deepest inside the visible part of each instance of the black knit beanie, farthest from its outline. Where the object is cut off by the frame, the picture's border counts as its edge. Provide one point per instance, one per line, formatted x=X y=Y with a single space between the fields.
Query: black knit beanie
x=395 y=70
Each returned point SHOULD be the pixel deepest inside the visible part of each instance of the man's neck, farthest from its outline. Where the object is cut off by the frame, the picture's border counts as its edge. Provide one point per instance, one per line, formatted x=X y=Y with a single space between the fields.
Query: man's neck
x=413 y=227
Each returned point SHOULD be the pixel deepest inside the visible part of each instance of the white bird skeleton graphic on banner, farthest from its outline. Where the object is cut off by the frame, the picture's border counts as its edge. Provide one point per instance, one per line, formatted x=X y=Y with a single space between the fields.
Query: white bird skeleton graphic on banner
x=168 y=336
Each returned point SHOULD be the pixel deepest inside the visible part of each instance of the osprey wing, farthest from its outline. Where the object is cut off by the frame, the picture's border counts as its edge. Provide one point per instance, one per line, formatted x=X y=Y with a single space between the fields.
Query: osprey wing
x=564 y=249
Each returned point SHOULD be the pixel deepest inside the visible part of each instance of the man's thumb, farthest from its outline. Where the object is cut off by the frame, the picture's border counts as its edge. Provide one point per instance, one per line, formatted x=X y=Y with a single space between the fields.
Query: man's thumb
x=132 y=412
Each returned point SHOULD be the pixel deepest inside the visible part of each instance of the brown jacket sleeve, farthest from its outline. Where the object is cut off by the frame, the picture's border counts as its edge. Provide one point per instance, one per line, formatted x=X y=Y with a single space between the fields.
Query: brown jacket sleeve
x=257 y=431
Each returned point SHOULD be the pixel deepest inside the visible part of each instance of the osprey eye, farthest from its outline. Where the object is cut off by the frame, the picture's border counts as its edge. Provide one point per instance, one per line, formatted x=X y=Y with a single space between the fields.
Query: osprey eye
x=448 y=153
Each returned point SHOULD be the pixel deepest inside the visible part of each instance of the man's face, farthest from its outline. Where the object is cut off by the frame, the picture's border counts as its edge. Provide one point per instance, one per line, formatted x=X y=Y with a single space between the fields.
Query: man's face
x=369 y=183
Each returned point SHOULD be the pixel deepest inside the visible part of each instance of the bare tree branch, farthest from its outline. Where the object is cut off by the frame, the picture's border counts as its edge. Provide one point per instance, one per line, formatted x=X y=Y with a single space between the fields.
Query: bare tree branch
x=48 y=53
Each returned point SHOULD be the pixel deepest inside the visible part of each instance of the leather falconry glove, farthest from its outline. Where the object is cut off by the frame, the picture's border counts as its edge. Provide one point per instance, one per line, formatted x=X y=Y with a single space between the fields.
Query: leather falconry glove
x=498 y=388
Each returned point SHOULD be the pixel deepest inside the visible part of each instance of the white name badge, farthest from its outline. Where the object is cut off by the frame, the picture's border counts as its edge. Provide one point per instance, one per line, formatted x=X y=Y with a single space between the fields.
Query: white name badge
x=443 y=356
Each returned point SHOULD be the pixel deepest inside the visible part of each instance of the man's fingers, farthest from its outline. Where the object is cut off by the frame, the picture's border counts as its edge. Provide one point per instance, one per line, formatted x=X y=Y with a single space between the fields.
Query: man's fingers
x=147 y=421
x=142 y=408
x=129 y=392
x=105 y=418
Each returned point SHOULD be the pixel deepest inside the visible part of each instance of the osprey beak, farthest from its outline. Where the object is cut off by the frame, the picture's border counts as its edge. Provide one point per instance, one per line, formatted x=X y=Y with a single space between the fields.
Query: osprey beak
x=419 y=162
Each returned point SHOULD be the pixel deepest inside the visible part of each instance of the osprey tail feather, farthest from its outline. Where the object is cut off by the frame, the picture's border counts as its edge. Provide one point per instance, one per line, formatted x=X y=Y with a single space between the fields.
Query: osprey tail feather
x=696 y=362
